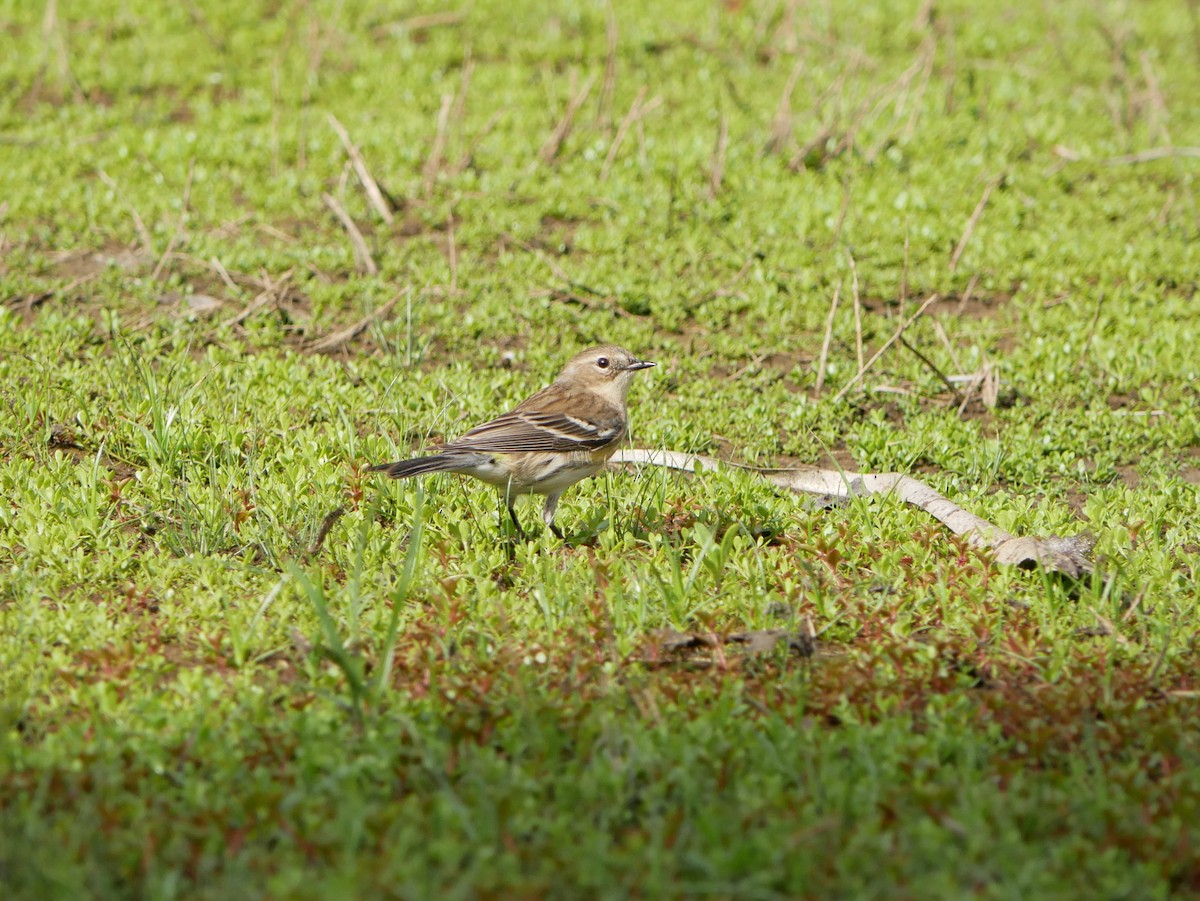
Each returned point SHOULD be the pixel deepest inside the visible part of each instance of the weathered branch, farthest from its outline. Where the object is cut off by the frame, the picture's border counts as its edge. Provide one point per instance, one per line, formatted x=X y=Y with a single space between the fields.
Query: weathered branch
x=1070 y=556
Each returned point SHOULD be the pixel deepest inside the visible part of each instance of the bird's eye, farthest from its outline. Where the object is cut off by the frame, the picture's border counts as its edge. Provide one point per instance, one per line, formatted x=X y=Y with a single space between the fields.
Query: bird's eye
x=602 y=362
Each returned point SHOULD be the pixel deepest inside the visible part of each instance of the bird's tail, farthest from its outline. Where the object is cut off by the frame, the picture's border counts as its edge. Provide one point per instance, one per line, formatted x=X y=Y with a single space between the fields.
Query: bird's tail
x=419 y=466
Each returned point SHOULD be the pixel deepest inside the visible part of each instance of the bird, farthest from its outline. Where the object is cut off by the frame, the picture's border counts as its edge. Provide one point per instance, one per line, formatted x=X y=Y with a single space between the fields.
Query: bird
x=551 y=440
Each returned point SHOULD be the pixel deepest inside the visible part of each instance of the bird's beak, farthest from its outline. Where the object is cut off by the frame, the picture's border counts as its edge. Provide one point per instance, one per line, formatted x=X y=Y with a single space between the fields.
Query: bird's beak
x=639 y=364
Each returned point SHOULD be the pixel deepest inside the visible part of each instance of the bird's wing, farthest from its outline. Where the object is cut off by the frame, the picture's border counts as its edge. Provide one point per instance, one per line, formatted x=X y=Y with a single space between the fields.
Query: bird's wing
x=528 y=430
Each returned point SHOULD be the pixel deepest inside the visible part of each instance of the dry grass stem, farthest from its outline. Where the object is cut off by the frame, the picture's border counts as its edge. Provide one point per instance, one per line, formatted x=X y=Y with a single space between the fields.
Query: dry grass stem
x=272 y=292
x=828 y=340
x=604 y=109
x=434 y=161
x=940 y=331
x=219 y=268
x=554 y=143
x=334 y=341
x=858 y=331
x=196 y=14
x=969 y=293
x=452 y=251
x=52 y=37
x=1149 y=156
x=316 y=55
x=930 y=300
x=362 y=253
x=974 y=220
x=781 y=122
x=374 y=195
x=931 y=366
x=716 y=169
x=414 y=24
x=464 y=87
x=161 y=267
x=634 y=114
x=843 y=212
x=622 y=129
x=468 y=156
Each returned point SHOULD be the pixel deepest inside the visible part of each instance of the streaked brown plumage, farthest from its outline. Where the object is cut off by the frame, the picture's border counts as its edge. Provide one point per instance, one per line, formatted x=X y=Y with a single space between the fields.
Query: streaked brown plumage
x=564 y=433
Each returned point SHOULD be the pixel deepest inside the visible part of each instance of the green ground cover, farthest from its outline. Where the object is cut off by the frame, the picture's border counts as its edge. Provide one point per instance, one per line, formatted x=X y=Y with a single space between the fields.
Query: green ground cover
x=205 y=692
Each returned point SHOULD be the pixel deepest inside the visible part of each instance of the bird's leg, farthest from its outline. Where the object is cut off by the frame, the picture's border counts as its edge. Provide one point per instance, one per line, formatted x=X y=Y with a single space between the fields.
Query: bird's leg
x=516 y=522
x=506 y=500
x=548 y=516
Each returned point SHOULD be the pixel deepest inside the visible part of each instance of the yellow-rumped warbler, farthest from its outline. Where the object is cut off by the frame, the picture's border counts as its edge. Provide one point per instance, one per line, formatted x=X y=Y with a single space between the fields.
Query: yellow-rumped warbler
x=562 y=434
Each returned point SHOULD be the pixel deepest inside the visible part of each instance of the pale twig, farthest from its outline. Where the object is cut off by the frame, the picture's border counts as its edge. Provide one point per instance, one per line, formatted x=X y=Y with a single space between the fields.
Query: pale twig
x=904 y=97
x=425 y=22
x=571 y=284
x=276 y=111
x=797 y=162
x=469 y=154
x=966 y=298
x=268 y=229
x=931 y=366
x=873 y=106
x=1137 y=602
x=924 y=17
x=824 y=131
x=635 y=111
x=622 y=129
x=554 y=143
x=910 y=126
x=271 y=292
x=434 y=161
x=464 y=87
x=452 y=248
x=1148 y=156
x=843 y=211
x=604 y=109
x=183 y=211
x=316 y=55
x=837 y=292
x=932 y=298
x=220 y=269
x=1157 y=124
x=858 y=332
x=972 y=382
x=716 y=170
x=364 y=174
x=974 y=220
x=785 y=34
x=1162 y=654
x=337 y=339
x=641 y=136
x=940 y=331
x=752 y=366
x=201 y=22
x=344 y=179
x=362 y=253
x=52 y=34
x=781 y=122
x=989 y=385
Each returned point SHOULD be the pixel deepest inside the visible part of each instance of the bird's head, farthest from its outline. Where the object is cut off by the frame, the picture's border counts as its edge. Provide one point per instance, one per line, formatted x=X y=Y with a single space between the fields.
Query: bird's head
x=607 y=369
